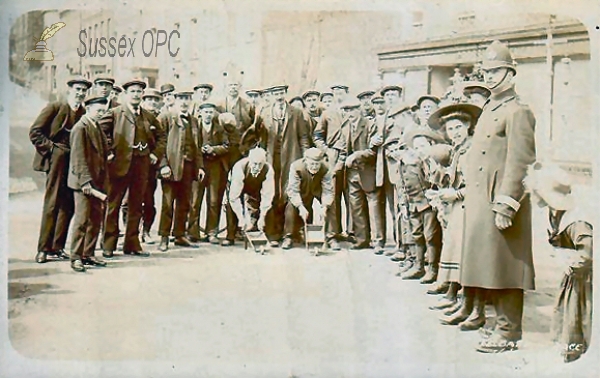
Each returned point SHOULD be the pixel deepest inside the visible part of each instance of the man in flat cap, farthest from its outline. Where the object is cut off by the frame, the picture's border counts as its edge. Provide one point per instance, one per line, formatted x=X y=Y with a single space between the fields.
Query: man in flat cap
x=310 y=178
x=392 y=95
x=311 y=100
x=88 y=172
x=363 y=194
x=184 y=164
x=167 y=92
x=325 y=99
x=287 y=138
x=367 y=109
x=103 y=86
x=252 y=182
x=151 y=100
x=202 y=93
x=378 y=105
x=115 y=94
x=136 y=141
x=253 y=97
x=215 y=156
x=50 y=135
x=497 y=253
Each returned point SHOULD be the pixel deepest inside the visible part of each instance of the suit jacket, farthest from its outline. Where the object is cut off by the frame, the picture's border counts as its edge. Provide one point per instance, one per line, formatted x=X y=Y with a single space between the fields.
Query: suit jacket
x=119 y=126
x=89 y=154
x=218 y=139
x=358 y=145
x=244 y=113
x=295 y=139
x=303 y=186
x=328 y=136
x=175 y=129
x=52 y=119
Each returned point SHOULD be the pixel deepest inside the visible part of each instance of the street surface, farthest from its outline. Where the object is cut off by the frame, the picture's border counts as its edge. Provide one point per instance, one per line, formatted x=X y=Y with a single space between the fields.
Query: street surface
x=228 y=312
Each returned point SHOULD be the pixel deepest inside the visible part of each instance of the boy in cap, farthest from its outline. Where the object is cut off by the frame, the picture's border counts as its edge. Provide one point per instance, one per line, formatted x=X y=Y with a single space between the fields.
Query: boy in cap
x=424 y=225
x=252 y=181
x=310 y=178
x=103 y=86
x=136 y=141
x=88 y=171
x=184 y=165
x=50 y=135
x=326 y=99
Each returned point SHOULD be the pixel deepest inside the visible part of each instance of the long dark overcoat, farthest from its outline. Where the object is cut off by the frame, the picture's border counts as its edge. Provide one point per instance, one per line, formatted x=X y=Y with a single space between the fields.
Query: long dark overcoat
x=502 y=148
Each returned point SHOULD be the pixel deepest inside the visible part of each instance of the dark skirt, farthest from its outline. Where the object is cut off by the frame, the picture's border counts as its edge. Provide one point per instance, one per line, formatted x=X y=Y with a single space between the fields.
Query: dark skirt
x=573 y=312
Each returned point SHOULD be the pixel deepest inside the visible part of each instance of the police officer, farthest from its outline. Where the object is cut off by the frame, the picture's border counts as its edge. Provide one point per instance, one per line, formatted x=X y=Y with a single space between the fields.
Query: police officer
x=496 y=205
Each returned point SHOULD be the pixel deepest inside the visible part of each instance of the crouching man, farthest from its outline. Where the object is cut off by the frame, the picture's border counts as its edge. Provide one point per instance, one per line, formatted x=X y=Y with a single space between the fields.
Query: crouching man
x=88 y=174
x=309 y=178
x=253 y=179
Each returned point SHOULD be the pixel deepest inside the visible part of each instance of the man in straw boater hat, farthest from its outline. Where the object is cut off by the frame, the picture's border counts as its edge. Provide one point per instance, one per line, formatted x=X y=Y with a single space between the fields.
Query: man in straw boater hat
x=287 y=138
x=136 y=141
x=497 y=254
x=184 y=165
x=88 y=171
x=570 y=231
x=50 y=135
x=310 y=178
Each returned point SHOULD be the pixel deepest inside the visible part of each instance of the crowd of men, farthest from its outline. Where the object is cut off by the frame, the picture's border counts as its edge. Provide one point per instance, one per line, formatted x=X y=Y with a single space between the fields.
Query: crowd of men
x=449 y=171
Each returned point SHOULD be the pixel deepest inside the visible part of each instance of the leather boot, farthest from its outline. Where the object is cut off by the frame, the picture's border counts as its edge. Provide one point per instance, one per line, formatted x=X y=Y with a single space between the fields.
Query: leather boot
x=463 y=312
x=454 y=308
x=405 y=265
x=418 y=269
x=432 y=267
x=164 y=243
x=441 y=288
x=476 y=319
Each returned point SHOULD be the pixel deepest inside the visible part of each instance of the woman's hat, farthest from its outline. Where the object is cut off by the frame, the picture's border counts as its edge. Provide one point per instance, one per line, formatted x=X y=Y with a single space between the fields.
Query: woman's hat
x=552 y=183
x=437 y=120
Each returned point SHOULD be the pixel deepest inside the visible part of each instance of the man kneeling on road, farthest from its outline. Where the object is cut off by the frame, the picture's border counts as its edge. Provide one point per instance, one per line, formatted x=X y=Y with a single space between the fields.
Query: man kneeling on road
x=310 y=178
x=253 y=179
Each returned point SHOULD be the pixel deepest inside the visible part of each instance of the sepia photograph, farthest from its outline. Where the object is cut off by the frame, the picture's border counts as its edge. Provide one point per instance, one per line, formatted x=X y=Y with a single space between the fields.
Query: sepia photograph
x=299 y=189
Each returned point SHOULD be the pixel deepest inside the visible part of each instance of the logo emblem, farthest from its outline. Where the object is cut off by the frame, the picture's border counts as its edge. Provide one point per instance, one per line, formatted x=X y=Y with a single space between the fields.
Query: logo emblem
x=41 y=53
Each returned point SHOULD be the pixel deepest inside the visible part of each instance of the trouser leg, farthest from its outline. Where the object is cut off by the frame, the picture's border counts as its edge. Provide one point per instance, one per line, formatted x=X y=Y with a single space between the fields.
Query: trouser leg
x=216 y=190
x=137 y=188
x=182 y=200
x=93 y=226
x=358 y=205
x=508 y=304
x=169 y=190
x=149 y=214
x=80 y=225
x=375 y=217
x=116 y=192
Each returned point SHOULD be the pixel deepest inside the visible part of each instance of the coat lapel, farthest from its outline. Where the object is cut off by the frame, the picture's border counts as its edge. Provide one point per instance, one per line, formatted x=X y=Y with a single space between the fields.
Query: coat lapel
x=128 y=125
x=360 y=129
x=286 y=120
x=94 y=134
